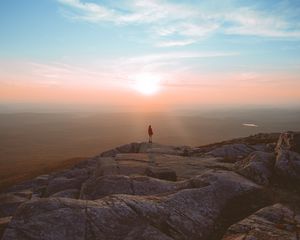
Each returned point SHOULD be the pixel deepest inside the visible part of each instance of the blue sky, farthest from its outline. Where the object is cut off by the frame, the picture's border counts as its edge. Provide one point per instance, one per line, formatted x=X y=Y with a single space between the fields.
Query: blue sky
x=104 y=43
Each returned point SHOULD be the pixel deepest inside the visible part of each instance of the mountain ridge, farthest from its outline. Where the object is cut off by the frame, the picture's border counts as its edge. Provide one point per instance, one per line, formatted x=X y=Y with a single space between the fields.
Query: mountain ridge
x=173 y=192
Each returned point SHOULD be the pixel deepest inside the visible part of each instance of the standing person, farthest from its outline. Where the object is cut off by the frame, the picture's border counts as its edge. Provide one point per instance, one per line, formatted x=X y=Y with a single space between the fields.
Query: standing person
x=150 y=133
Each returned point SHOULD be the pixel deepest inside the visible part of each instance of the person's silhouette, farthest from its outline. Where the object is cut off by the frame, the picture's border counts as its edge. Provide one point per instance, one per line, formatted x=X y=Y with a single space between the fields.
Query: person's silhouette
x=150 y=133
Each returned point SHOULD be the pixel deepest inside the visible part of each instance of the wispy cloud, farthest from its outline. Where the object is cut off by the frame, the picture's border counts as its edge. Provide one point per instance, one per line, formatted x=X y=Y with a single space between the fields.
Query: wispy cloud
x=112 y=73
x=174 y=56
x=176 y=24
x=249 y=125
x=88 y=11
x=60 y=73
x=188 y=33
x=173 y=43
x=247 y=21
x=141 y=11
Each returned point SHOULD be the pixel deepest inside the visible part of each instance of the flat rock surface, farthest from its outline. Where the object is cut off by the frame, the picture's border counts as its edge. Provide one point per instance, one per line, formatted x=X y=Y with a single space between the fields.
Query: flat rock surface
x=136 y=163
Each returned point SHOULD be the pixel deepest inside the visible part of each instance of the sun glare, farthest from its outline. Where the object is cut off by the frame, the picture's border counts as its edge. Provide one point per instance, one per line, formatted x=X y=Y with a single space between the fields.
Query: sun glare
x=147 y=83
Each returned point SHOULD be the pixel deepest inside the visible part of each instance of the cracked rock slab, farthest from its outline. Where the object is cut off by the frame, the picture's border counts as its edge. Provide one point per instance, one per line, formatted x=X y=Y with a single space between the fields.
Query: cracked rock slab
x=287 y=165
x=277 y=222
x=191 y=213
x=258 y=167
x=133 y=185
x=289 y=141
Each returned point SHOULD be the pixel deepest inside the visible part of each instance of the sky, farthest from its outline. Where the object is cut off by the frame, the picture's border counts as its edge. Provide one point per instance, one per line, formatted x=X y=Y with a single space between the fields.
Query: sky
x=150 y=53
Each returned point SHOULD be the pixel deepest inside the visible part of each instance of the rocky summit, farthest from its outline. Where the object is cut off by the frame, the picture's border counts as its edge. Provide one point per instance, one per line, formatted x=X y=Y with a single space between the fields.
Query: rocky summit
x=241 y=189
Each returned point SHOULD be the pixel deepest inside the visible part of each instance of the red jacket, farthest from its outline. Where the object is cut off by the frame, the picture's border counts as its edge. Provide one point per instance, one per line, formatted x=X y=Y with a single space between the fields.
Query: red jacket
x=150 y=132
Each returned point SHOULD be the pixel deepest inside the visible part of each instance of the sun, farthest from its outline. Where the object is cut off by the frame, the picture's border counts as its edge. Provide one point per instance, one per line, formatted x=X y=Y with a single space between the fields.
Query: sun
x=147 y=83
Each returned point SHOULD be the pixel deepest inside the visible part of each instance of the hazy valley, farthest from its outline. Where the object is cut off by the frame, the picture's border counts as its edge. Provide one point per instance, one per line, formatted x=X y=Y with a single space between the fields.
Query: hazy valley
x=36 y=143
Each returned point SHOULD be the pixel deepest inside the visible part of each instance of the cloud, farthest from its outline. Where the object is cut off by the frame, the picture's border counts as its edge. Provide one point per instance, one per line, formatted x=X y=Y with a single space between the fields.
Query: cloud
x=247 y=21
x=175 y=56
x=110 y=72
x=165 y=19
x=175 y=43
x=249 y=76
x=249 y=125
x=188 y=29
x=141 y=11
x=189 y=33
x=174 y=24
x=89 y=11
x=62 y=73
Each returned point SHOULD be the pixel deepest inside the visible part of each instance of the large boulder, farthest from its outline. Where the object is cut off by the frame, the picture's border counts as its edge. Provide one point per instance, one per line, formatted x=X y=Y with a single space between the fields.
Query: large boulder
x=287 y=165
x=289 y=141
x=275 y=222
x=191 y=213
x=258 y=167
